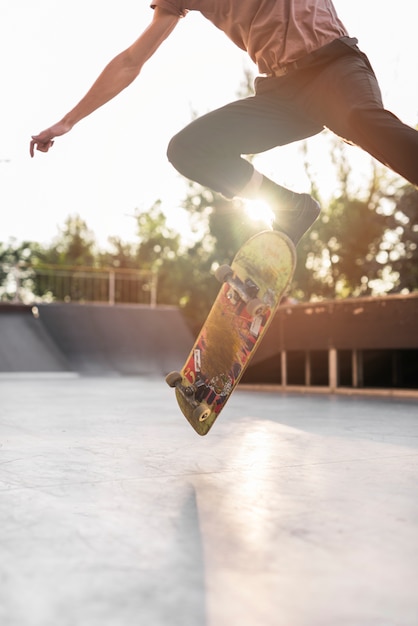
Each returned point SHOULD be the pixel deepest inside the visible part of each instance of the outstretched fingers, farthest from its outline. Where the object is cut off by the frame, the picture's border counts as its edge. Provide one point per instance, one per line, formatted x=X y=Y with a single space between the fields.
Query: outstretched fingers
x=39 y=143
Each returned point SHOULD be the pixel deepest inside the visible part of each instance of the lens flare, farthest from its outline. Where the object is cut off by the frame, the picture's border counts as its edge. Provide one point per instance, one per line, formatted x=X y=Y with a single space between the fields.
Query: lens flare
x=259 y=211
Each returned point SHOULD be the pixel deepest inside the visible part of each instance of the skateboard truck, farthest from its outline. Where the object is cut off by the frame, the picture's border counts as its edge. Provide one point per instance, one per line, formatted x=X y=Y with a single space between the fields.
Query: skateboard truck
x=246 y=290
x=191 y=394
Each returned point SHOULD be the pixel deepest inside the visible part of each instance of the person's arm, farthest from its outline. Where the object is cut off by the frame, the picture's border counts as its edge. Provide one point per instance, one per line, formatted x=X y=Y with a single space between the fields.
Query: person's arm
x=117 y=75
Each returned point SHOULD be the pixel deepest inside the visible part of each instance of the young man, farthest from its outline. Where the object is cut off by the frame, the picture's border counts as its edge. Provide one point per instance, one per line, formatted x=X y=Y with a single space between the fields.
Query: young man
x=312 y=76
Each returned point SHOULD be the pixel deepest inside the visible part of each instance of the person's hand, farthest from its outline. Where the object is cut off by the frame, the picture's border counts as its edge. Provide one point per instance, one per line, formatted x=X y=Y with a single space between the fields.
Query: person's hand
x=45 y=140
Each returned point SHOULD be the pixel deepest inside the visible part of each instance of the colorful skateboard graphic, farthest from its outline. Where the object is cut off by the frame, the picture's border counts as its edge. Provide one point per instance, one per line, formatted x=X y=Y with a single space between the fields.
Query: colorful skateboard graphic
x=251 y=291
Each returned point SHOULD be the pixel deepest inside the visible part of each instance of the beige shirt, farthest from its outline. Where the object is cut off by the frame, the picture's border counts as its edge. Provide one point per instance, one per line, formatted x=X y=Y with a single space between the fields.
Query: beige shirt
x=273 y=32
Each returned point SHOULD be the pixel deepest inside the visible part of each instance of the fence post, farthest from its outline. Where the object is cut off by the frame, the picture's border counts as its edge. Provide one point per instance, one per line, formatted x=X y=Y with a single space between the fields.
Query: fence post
x=308 y=371
x=16 y=272
x=112 y=281
x=333 y=369
x=357 y=368
x=154 y=284
x=283 y=362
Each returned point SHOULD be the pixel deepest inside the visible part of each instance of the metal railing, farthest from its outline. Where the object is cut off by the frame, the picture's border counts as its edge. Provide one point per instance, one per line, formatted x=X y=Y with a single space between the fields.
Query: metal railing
x=25 y=283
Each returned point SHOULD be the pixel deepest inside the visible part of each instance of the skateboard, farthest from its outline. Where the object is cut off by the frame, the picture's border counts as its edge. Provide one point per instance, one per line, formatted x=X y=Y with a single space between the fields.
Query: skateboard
x=252 y=287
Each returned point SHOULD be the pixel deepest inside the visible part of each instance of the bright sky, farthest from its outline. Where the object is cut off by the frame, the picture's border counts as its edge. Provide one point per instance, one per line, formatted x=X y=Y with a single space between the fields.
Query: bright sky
x=114 y=161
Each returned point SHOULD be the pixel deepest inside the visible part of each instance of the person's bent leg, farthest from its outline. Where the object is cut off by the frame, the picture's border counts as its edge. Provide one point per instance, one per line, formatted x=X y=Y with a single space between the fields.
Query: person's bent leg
x=200 y=153
x=210 y=149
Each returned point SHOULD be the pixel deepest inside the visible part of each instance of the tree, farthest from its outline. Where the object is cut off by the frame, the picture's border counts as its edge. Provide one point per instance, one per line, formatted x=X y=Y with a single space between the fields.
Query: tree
x=74 y=245
x=157 y=242
x=400 y=248
x=15 y=274
x=341 y=253
x=160 y=250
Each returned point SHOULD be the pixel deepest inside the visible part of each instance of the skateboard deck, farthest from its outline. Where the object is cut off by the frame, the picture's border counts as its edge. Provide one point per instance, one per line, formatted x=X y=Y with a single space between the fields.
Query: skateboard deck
x=251 y=292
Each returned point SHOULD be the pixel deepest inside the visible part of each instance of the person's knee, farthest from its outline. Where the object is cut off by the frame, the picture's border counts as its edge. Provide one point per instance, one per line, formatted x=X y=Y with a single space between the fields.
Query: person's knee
x=173 y=149
x=180 y=151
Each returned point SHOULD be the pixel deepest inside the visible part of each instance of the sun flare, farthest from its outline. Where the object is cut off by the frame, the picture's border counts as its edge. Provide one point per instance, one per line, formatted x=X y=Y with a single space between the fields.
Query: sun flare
x=259 y=211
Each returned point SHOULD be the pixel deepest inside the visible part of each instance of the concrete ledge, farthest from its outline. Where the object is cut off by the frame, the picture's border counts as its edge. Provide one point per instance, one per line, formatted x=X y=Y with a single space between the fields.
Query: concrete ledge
x=345 y=391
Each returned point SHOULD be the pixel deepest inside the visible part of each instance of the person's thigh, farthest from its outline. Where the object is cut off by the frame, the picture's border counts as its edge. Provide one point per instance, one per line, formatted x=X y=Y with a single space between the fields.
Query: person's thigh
x=252 y=125
x=345 y=86
x=210 y=149
x=346 y=98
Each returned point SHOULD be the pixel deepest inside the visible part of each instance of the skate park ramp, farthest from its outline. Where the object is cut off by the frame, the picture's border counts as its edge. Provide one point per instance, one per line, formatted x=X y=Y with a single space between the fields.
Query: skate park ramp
x=25 y=345
x=94 y=339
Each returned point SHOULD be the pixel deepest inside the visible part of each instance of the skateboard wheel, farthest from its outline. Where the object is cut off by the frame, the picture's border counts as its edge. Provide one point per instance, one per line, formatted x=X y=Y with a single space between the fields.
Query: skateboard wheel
x=255 y=307
x=201 y=412
x=173 y=378
x=223 y=273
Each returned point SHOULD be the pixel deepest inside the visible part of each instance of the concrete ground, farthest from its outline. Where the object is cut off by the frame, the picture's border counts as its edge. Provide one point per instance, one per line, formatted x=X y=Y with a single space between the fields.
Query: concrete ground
x=293 y=511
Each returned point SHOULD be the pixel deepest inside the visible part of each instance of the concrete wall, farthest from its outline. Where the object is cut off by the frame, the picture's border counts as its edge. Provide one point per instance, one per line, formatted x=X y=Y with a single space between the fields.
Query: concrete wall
x=357 y=343
x=93 y=339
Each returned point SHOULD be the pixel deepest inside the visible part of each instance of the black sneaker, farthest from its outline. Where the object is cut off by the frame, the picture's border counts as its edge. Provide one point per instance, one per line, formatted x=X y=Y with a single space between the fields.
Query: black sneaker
x=298 y=219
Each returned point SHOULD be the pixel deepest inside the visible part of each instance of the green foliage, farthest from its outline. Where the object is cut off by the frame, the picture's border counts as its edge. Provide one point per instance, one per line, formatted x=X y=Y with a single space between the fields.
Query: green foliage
x=158 y=244
x=14 y=259
x=341 y=251
x=400 y=251
x=358 y=246
x=74 y=245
